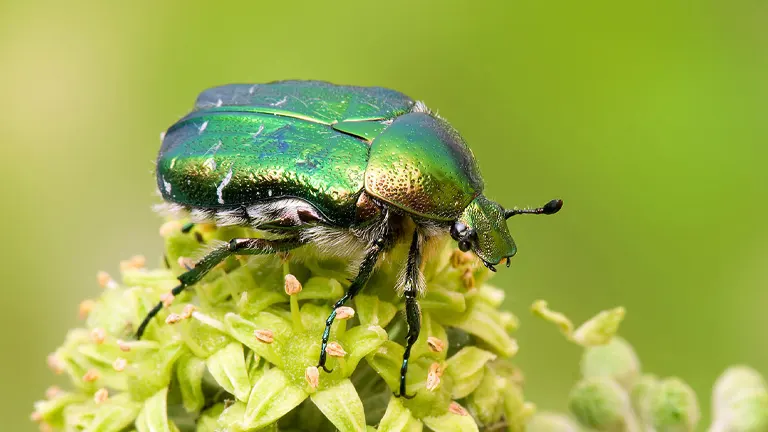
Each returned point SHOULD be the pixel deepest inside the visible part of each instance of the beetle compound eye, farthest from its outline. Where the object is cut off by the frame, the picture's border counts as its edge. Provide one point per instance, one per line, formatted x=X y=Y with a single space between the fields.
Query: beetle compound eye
x=464 y=245
x=458 y=230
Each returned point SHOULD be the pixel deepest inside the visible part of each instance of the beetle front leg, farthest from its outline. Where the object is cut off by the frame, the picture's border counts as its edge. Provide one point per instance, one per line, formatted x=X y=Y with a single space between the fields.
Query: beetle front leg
x=413 y=284
x=239 y=246
x=366 y=268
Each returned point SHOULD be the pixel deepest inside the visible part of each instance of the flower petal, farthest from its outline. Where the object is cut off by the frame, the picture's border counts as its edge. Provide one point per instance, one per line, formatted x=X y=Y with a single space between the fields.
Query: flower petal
x=227 y=366
x=189 y=373
x=342 y=406
x=154 y=416
x=398 y=418
x=451 y=422
x=374 y=311
x=272 y=396
x=466 y=368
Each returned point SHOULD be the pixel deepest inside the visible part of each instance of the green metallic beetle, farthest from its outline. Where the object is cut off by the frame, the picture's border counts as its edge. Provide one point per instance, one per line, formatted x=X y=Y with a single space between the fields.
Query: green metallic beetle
x=351 y=170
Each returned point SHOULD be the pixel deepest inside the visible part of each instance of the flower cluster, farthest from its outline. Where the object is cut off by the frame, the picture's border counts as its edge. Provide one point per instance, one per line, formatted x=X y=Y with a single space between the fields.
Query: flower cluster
x=238 y=352
x=613 y=394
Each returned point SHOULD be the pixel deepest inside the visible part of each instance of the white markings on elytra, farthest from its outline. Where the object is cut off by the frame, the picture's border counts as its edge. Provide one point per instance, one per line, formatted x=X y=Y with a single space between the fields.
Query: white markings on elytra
x=281 y=102
x=269 y=192
x=210 y=164
x=258 y=132
x=202 y=127
x=167 y=186
x=252 y=89
x=173 y=162
x=224 y=183
x=219 y=103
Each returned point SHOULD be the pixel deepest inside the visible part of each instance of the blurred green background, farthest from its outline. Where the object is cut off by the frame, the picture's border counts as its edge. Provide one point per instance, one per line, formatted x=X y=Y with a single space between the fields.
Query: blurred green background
x=648 y=118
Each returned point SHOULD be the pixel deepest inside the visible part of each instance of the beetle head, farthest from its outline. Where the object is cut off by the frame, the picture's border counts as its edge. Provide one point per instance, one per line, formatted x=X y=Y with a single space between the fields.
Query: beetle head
x=482 y=228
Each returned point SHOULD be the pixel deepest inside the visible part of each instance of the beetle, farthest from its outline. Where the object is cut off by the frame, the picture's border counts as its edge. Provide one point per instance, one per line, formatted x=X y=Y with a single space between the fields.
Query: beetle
x=350 y=170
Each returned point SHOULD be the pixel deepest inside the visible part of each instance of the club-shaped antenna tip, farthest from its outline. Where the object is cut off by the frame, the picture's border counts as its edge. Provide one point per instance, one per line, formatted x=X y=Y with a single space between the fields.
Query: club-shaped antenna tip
x=553 y=206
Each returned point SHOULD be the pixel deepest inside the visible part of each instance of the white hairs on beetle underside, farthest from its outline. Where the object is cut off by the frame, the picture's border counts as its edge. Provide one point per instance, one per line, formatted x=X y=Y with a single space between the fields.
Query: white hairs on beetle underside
x=340 y=242
x=206 y=249
x=171 y=210
x=282 y=209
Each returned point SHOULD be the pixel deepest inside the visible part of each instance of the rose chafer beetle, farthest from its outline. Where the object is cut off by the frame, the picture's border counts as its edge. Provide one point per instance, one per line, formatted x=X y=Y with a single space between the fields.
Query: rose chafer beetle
x=350 y=170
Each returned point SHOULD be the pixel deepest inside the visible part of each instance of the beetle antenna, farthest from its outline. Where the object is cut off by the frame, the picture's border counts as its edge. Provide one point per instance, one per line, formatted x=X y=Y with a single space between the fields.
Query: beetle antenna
x=549 y=208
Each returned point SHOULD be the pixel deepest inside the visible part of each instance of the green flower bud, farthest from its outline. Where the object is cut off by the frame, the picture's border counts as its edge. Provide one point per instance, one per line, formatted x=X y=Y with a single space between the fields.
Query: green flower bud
x=601 y=403
x=551 y=422
x=616 y=360
x=740 y=401
x=673 y=406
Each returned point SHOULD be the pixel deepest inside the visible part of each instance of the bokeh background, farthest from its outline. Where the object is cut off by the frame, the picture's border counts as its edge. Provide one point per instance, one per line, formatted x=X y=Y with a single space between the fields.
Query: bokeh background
x=648 y=118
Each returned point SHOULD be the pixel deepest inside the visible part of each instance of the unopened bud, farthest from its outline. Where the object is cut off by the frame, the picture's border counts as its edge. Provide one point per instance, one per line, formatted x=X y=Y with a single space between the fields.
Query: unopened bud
x=615 y=359
x=292 y=285
x=334 y=349
x=312 y=375
x=435 y=344
x=457 y=409
x=91 y=375
x=101 y=395
x=673 y=406
x=119 y=364
x=740 y=401
x=344 y=312
x=551 y=422
x=98 y=335
x=600 y=403
x=264 y=335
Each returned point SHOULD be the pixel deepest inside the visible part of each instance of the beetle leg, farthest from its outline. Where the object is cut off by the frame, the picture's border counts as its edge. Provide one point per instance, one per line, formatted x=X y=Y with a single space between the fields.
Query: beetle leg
x=238 y=246
x=413 y=278
x=366 y=268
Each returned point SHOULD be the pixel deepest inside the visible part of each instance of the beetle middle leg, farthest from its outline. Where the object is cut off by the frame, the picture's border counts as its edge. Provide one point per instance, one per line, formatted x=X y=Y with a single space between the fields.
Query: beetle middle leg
x=238 y=246
x=366 y=268
x=413 y=282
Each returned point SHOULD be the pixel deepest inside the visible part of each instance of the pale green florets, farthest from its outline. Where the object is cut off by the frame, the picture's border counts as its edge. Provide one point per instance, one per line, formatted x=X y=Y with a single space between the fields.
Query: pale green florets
x=238 y=352
x=613 y=394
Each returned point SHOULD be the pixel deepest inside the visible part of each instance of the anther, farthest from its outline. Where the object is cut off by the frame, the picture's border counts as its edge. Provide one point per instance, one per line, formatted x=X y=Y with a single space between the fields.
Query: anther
x=264 y=335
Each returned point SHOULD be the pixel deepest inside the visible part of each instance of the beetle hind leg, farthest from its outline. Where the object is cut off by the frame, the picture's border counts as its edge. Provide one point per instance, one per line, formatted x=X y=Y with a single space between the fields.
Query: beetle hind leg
x=238 y=246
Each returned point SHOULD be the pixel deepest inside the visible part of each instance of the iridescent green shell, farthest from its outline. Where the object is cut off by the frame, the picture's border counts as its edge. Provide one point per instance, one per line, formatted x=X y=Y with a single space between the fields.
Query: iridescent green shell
x=248 y=143
x=422 y=165
x=318 y=142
